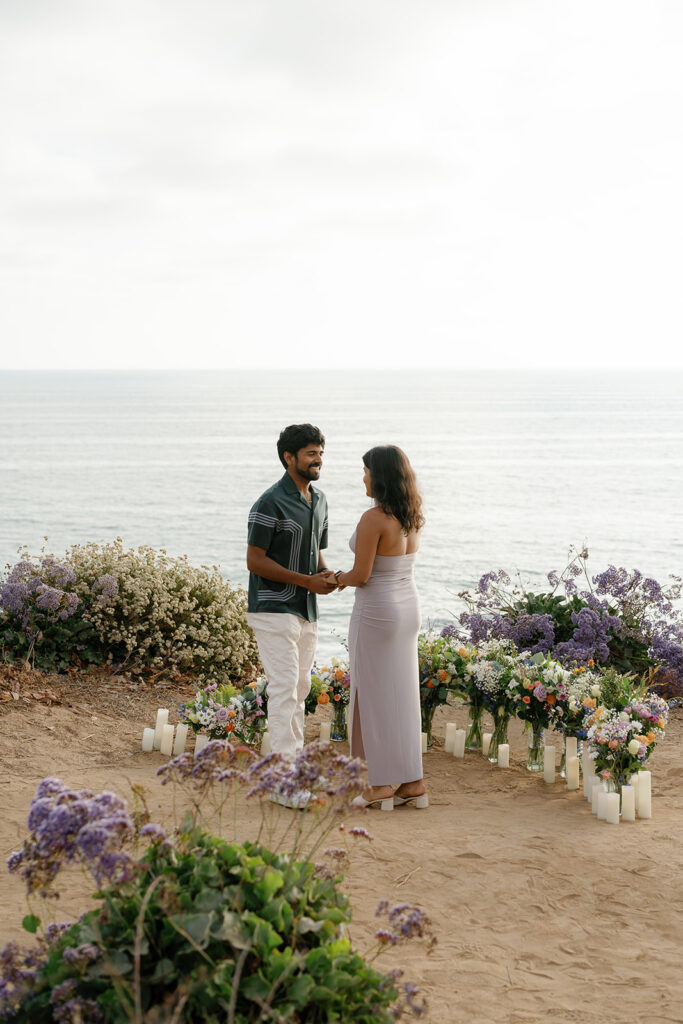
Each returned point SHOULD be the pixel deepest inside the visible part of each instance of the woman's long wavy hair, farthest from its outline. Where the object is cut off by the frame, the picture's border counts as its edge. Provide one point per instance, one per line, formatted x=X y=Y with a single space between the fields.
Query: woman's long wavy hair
x=394 y=486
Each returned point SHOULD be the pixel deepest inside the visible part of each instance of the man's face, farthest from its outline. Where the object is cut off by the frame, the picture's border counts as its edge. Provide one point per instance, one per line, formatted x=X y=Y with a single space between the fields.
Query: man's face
x=307 y=462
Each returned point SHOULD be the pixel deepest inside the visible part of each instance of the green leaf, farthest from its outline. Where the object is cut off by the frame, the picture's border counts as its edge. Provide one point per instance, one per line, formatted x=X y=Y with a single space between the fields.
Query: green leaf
x=231 y=929
x=307 y=924
x=164 y=970
x=30 y=923
x=195 y=925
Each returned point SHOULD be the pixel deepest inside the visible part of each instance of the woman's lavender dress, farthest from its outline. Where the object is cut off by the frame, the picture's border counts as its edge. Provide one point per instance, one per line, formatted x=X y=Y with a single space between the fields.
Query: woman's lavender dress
x=384 y=712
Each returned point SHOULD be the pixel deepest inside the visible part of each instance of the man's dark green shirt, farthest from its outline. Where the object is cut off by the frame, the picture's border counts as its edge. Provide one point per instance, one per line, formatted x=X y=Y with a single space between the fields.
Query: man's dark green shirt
x=292 y=533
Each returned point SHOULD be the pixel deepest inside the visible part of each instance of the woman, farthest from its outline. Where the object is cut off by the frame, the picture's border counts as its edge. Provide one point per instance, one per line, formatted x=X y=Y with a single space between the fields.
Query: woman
x=384 y=712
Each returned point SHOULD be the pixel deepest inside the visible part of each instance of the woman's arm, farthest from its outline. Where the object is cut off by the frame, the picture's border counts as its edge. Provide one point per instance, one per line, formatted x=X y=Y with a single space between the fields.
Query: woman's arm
x=368 y=536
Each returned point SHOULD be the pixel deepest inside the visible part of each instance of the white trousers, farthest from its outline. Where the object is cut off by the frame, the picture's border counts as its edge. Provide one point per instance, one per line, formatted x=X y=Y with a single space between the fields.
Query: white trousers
x=286 y=645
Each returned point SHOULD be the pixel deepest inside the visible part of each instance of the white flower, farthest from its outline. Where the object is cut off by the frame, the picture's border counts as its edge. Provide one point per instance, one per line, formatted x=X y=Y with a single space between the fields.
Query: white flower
x=624 y=717
x=595 y=690
x=634 y=747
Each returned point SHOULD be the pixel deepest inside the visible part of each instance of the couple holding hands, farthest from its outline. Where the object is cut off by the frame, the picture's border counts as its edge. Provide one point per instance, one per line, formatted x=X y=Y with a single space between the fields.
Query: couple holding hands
x=287 y=536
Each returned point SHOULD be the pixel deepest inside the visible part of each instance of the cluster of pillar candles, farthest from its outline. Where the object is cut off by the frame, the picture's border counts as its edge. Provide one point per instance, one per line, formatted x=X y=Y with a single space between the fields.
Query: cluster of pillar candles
x=171 y=740
x=636 y=797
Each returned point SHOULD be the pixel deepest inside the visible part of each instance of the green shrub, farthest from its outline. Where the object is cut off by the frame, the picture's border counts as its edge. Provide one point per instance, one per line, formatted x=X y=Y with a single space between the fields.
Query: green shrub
x=134 y=607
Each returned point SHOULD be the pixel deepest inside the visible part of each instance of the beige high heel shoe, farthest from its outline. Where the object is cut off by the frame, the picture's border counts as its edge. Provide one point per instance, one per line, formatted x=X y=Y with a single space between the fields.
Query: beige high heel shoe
x=421 y=801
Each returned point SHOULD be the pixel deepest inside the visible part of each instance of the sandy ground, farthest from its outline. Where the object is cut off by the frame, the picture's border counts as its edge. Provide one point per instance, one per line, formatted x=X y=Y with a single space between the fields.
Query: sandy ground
x=542 y=913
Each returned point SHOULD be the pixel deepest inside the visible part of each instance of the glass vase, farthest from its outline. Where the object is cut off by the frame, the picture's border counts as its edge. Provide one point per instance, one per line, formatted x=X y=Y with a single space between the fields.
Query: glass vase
x=499 y=734
x=534 y=761
x=473 y=738
x=563 y=759
x=427 y=715
x=338 y=728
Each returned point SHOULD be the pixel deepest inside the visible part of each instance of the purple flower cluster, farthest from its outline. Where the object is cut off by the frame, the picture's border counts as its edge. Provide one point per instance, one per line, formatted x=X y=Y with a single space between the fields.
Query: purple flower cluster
x=406 y=921
x=316 y=768
x=18 y=968
x=34 y=594
x=74 y=826
x=78 y=1011
x=105 y=588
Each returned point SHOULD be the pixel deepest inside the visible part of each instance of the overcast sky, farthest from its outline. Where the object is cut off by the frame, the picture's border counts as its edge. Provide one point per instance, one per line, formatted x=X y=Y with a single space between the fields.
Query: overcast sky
x=309 y=183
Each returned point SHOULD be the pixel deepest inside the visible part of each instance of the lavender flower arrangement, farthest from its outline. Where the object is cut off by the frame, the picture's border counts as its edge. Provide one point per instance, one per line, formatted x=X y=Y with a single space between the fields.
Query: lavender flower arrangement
x=619 y=618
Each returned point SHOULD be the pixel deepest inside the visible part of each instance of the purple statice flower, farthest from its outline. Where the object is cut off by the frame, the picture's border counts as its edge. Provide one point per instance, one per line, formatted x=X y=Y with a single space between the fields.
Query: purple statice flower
x=60 y=993
x=406 y=921
x=53 y=931
x=80 y=955
x=48 y=599
x=106 y=588
x=78 y=1011
x=360 y=833
x=74 y=826
x=450 y=631
x=59 y=573
x=155 y=832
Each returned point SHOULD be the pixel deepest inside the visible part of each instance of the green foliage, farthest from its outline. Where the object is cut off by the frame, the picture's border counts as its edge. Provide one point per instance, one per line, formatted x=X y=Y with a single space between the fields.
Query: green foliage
x=211 y=931
x=137 y=608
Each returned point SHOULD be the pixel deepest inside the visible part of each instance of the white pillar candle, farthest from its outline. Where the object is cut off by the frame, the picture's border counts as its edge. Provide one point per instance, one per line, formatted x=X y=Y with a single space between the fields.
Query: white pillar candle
x=166 y=746
x=325 y=731
x=612 y=808
x=486 y=743
x=602 y=804
x=266 y=747
x=571 y=747
x=572 y=773
x=588 y=774
x=451 y=729
x=549 y=764
x=424 y=742
x=180 y=739
x=459 y=743
x=147 y=740
x=200 y=742
x=596 y=789
x=628 y=803
x=644 y=798
x=162 y=720
x=504 y=755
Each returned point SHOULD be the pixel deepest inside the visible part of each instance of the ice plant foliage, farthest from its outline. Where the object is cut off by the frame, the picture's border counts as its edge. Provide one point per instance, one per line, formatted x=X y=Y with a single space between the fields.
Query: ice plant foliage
x=199 y=928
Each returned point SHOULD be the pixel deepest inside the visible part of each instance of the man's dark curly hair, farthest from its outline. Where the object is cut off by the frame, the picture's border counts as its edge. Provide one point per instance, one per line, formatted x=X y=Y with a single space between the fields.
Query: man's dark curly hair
x=394 y=486
x=298 y=436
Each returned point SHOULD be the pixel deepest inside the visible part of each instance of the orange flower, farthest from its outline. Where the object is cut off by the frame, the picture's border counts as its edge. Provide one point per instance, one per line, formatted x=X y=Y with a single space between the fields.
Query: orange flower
x=230 y=727
x=588 y=702
x=528 y=686
x=591 y=662
x=323 y=698
x=463 y=652
x=339 y=674
x=651 y=737
x=231 y=713
x=443 y=675
x=337 y=696
x=527 y=700
x=613 y=744
x=582 y=669
x=551 y=698
x=430 y=684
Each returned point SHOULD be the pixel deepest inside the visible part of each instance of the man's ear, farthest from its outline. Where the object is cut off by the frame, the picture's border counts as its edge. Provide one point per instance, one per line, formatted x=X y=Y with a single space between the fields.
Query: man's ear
x=289 y=458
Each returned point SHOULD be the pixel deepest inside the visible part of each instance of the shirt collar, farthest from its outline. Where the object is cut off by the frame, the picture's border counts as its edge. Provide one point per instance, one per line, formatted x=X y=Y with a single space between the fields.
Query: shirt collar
x=290 y=486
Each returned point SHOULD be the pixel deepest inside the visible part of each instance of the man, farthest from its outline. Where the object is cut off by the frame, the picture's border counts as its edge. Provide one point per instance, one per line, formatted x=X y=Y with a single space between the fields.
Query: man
x=287 y=534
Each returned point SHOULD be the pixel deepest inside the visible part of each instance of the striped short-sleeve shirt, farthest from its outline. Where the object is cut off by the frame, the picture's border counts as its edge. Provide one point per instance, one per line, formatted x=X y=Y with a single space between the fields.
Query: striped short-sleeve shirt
x=292 y=532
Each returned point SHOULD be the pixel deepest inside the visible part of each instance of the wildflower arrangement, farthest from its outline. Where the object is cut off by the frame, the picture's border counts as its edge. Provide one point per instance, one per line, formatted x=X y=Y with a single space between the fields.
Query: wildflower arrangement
x=223 y=711
x=620 y=618
x=622 y=737
x=536 y=689
x=103 y=603
x=442 y=661
x=584 y=694
x=491 y=670
x=330 y=683
x=196 y=927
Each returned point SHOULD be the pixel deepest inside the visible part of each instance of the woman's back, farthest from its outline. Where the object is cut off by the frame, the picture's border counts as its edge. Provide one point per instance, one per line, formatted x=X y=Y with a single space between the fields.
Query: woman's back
x=393 y=541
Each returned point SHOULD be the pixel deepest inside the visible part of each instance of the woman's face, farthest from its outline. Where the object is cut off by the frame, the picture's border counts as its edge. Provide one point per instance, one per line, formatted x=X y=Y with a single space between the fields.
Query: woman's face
x=367 y=481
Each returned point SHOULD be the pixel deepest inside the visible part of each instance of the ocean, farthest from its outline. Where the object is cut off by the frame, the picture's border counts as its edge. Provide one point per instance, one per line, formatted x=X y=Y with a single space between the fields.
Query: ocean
x=514 y=466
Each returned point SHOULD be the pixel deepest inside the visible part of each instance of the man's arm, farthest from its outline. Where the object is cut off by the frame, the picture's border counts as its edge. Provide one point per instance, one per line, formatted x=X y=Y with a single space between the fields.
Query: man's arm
x=258 y=562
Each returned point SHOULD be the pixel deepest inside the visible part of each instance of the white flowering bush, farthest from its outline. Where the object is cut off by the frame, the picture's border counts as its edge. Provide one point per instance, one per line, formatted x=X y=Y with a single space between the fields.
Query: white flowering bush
x=136 y=607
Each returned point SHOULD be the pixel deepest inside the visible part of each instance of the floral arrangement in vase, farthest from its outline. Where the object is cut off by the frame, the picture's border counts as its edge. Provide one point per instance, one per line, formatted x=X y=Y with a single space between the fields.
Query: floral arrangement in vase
x=491 y=672
x=442 y=661
x=331 y=684
x=538 y=687
x=620 y=740
x=223 y=711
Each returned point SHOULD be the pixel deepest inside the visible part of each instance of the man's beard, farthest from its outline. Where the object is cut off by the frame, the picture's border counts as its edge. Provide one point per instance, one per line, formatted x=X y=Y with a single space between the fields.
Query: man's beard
x=309 y=473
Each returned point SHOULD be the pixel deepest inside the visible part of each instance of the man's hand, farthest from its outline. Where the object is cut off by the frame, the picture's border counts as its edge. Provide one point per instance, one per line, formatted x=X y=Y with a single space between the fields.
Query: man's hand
x=322 y=582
